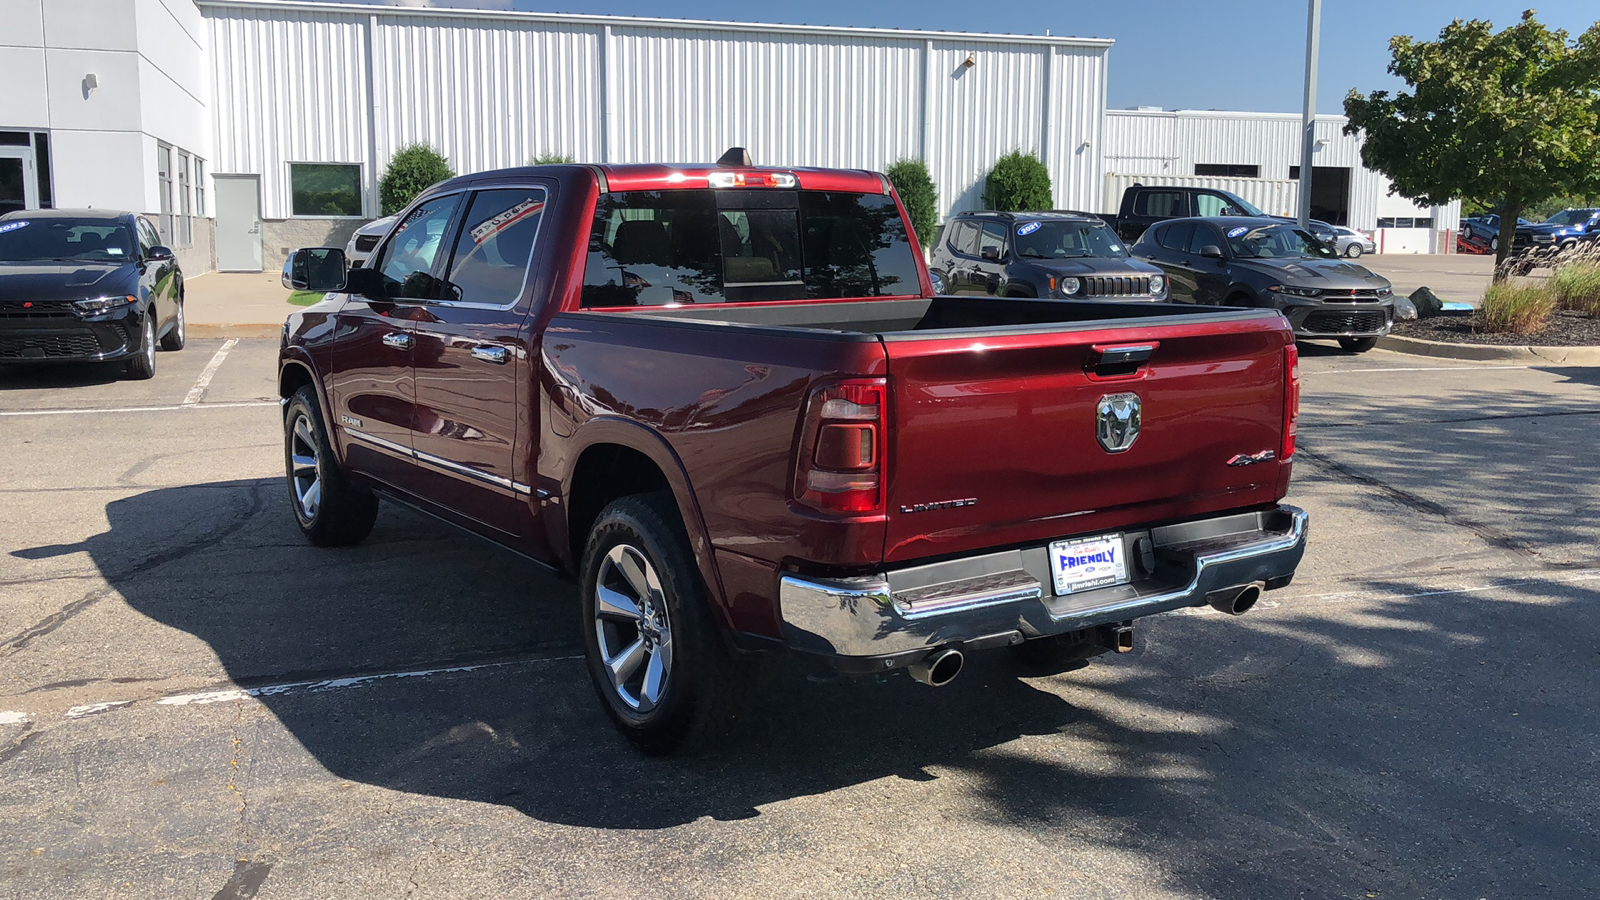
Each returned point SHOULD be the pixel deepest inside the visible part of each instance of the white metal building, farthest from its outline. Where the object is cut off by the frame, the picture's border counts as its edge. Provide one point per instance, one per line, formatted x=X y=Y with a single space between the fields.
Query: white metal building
x=1257 y=155
x=249 y=127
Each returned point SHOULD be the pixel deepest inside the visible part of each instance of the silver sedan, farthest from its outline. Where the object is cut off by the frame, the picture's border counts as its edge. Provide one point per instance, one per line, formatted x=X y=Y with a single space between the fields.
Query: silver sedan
x=1352 y=243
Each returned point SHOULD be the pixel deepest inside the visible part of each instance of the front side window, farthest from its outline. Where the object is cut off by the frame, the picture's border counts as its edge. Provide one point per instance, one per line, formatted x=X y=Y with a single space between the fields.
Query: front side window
x=1276 y=242
x=1204 y=236
x=992 y=238
x=406 y=262
x=667 y=248
x=53 y=239
x=1067 y=240
x=491 y=257
x=318 y=189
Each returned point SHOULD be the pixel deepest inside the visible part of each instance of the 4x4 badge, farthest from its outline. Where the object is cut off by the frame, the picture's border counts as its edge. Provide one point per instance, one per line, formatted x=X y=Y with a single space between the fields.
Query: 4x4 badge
x=1118 y=418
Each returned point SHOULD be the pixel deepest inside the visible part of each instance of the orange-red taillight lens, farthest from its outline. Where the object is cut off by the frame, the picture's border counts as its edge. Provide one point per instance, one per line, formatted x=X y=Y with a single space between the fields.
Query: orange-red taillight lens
x=1291 y=399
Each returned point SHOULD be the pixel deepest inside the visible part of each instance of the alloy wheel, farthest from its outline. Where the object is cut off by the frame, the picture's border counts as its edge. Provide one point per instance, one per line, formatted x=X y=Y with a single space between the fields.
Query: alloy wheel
x=304 y=477
x=150 y=338
x=633 y=628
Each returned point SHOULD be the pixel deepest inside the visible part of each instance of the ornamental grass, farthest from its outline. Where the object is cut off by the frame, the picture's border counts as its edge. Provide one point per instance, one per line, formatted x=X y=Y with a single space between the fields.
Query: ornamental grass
x=1577 y=287
x=1516 y=308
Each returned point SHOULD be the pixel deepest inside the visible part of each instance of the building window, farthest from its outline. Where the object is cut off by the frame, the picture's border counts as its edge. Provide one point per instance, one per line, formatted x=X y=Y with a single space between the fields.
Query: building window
x=185 y=203
x=164 y=189
x=1227 y=170
x=1403 y=222
x=319 y=189
x=199 y=187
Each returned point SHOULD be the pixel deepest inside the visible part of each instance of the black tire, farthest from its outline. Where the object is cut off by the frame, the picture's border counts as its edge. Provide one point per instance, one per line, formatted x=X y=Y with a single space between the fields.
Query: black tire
x=340 y=514
x=701 y=683
x=1358 y=345
x=1354 y=251
x=1056 y=654
x=174 y=339
x=1494 y=244
x=142 y=365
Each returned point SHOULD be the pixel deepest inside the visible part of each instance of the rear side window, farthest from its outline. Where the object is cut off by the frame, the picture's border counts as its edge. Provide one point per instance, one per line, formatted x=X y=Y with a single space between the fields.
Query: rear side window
x=964 y=238
x=491 y=256
x=1168 y=204
x=1176 y=236
x=666 y=248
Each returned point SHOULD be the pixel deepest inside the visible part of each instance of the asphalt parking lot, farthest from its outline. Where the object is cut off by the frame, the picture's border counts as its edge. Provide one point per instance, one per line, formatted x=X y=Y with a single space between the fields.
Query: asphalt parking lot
x=195 y=703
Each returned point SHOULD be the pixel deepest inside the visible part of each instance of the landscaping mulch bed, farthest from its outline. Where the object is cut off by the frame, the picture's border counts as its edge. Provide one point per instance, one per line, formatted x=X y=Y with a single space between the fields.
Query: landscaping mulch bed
x=1566 y=329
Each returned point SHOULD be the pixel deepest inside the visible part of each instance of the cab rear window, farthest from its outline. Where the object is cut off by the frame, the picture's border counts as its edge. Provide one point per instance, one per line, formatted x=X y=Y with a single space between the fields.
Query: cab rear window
x=666 y=248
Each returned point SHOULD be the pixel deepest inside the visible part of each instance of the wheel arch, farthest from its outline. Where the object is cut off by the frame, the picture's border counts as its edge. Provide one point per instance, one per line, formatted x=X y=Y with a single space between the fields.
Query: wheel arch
x=613 y=458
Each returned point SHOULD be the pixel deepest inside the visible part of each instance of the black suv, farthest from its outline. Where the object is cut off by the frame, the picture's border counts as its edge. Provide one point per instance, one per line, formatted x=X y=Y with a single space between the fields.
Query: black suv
x=1048 y=255
x=1237 y=261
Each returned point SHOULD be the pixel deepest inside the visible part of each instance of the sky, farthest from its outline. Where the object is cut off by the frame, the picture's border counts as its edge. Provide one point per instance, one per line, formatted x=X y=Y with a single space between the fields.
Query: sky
x=1177 y=54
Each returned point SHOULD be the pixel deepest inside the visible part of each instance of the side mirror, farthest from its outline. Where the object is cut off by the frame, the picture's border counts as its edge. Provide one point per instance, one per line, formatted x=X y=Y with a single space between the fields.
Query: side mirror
x=319 y=270
x=159 y=253
x=1211 y=251
x=990 y=253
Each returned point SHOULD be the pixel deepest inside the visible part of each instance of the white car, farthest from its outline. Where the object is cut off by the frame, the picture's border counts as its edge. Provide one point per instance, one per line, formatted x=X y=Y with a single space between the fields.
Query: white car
x=1352 y=243
x=366 y=239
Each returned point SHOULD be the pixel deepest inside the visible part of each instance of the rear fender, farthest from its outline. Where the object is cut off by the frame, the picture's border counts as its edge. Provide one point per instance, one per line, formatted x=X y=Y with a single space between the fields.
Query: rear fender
x=637 y=437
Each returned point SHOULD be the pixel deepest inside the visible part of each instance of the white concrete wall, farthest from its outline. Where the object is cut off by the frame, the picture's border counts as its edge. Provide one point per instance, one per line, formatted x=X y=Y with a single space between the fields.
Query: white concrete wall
x=148 y=57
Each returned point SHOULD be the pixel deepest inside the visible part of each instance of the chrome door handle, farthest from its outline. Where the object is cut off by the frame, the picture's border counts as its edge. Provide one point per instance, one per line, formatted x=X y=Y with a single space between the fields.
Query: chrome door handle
x=397 y=341
x=496 y=355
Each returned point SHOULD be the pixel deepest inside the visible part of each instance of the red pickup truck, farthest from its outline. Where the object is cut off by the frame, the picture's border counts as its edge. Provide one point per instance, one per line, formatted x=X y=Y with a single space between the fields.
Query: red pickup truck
x=726 y=400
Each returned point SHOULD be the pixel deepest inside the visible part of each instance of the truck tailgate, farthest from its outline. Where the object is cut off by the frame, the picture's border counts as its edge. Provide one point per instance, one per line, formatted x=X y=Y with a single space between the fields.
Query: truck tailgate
x=994 y=440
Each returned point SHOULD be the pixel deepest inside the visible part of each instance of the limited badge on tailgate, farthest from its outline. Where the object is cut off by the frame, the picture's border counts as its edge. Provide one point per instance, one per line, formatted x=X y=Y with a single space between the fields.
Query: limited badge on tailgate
x=1086 y=563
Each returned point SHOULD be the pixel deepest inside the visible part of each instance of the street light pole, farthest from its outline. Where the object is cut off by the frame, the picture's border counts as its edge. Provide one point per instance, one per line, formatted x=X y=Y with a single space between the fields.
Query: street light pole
x=1308 y=121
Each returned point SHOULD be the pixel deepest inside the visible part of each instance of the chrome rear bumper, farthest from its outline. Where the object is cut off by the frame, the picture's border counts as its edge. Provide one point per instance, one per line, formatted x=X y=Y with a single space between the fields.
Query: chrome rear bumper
x=1005 y=598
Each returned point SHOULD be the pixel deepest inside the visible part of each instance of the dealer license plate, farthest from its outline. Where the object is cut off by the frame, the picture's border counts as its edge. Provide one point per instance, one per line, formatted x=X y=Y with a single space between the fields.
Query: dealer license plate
x=1087 y=563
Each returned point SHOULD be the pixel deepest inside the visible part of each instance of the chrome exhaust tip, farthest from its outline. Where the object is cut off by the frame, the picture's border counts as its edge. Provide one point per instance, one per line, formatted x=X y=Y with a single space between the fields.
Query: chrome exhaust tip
x=1240 y=603
x=938 y=668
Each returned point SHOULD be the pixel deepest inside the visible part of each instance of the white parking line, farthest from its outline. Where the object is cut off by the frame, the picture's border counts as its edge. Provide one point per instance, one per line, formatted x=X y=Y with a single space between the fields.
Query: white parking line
x=101 y=410
x=13 y=718
x=1319 y=374
x=208 y=373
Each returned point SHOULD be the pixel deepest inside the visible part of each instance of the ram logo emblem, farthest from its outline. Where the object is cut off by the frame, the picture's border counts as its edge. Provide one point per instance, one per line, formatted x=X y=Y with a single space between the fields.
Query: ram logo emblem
x=1118 y=418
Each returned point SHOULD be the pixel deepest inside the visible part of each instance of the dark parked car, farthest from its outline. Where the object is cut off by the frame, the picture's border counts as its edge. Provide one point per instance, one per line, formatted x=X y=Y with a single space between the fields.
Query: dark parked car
x=1231 y=261
x=87 y=285
x=1039 y=254
x=1564 y=229
x=1144 y=205
x=1485 y=230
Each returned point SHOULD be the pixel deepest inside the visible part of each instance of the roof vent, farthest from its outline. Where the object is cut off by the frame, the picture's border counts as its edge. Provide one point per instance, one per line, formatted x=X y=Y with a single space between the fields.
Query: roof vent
x=736 y=157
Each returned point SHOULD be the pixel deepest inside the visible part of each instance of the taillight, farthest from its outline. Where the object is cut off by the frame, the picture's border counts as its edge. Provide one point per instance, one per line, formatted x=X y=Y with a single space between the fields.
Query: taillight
x=1291 y=399
x=840 y=463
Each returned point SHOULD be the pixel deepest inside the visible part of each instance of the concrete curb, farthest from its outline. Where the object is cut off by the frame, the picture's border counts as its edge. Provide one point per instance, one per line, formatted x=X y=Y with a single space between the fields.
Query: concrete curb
x=197 y=330
x=1569 y=356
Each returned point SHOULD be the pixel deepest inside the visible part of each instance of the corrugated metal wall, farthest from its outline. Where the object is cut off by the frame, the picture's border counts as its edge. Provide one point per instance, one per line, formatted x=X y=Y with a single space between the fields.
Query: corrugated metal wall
x=1159 y=143
x=494 y=90
x=287 y=87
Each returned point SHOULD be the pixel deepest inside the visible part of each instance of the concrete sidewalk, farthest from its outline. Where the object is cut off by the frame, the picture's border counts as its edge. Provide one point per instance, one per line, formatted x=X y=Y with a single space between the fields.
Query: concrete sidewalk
x=233 y=304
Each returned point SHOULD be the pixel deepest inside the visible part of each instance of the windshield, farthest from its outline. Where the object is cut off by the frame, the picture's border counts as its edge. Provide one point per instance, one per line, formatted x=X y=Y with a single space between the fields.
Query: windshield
x=1067 y=240
x=1275 y=242
x=1570 y=217
x=1247 y=208
x=90 y=240
x=667 y=248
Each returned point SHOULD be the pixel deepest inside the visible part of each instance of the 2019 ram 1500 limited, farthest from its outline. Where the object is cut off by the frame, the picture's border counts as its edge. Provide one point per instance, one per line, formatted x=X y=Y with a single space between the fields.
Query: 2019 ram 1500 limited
x=727 y=401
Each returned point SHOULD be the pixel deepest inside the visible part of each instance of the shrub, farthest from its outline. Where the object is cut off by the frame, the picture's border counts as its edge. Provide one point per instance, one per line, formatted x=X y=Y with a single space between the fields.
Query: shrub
x=1517 y=309
x=1018 y=182
x=551 y=159
x=411 y=171
x=1577 y=287
x=911 y=181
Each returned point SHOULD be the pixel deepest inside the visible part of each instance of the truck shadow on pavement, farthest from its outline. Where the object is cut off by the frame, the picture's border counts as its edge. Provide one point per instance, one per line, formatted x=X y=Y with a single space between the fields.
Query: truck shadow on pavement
x=1395 y=743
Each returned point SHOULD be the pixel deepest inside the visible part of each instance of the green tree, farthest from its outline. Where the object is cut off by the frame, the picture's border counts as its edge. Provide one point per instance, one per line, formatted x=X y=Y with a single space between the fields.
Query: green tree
x=911 y=181
x=551 y=159
x=1505 y=120
x=1018 y=182
x=411 y=171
